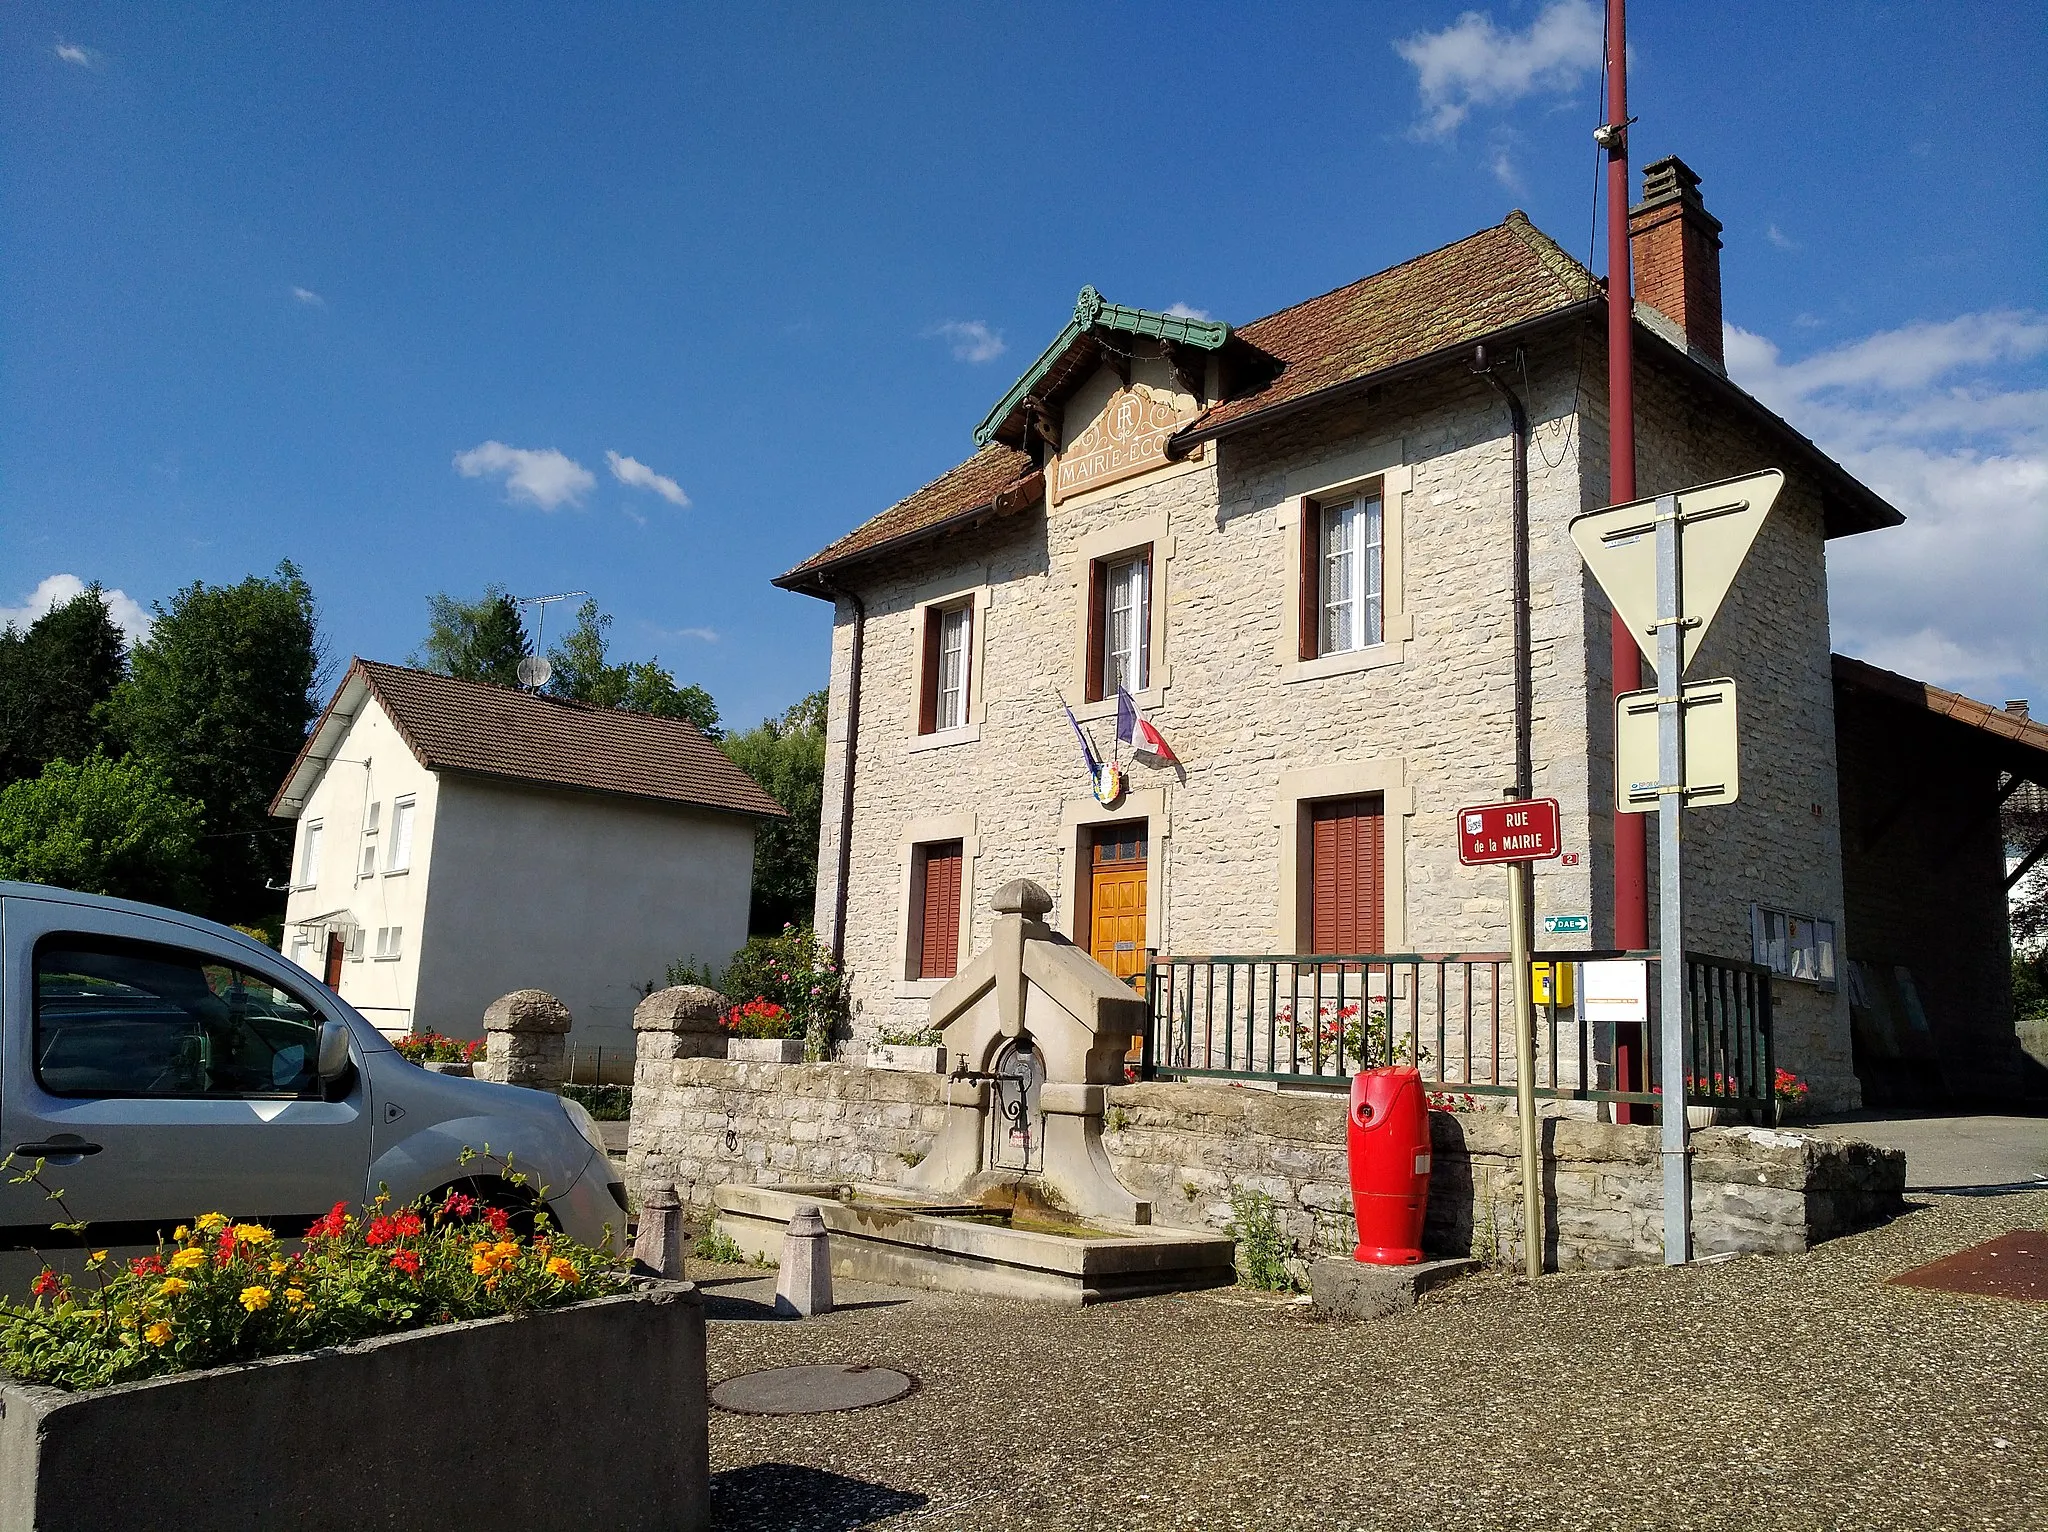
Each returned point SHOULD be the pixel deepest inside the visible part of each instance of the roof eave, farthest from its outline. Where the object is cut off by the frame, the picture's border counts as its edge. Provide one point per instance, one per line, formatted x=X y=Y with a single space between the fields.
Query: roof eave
x=537 y=784
x=817 y=579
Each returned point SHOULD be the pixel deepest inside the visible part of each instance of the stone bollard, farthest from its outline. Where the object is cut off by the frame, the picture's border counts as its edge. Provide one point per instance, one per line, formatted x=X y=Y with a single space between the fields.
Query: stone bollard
x=659 y=1244
x=804 y=1286
x=528 y=1040
x=680 y=1022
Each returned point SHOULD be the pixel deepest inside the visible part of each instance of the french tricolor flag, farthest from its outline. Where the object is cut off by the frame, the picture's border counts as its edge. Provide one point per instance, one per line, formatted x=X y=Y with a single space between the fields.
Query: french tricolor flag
x=1146 y=742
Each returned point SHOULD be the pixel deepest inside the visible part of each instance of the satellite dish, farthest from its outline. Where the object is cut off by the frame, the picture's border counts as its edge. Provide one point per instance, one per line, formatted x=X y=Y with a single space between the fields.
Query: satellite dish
x=534 y=671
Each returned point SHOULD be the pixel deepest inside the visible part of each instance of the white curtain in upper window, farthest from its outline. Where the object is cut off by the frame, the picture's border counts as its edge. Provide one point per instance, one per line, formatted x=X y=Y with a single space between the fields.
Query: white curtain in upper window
x=1353 y=574
x=956 y=631
x=1127 y=622
x=401 y=835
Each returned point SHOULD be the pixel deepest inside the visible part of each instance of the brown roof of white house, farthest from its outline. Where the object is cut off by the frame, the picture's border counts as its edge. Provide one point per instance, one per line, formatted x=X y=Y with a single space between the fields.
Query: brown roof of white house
x=515 y=736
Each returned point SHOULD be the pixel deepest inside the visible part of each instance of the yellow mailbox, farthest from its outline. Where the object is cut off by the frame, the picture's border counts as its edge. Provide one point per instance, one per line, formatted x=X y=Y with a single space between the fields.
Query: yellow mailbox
x=1546 y=988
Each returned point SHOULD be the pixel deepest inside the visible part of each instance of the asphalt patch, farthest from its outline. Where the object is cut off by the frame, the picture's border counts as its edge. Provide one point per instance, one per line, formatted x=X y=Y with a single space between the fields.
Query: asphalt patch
x=2013 y=1265
x=812 y=1390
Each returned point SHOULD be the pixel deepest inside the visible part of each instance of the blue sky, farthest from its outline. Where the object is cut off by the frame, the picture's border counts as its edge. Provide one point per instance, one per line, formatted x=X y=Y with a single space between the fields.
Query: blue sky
x=381 y=289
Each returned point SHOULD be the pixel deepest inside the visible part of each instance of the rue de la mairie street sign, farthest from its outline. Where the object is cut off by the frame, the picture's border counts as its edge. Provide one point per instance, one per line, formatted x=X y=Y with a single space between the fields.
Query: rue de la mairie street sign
x=1719 y=522
x=1513 y=830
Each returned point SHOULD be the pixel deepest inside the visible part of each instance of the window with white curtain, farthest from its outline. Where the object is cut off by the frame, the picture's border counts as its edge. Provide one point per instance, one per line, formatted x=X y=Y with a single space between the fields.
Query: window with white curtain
x=956 y=634
x=1353 y=574
x=401 y=835
x=1127 y=624
x=309 y=853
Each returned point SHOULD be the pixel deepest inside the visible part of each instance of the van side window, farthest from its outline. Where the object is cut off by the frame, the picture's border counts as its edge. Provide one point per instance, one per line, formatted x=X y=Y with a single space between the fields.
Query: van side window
x=127 y=1018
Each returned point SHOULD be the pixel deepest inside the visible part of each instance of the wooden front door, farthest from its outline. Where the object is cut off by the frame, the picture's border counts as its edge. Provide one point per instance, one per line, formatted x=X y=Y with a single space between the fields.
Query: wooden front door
x=1116 y=900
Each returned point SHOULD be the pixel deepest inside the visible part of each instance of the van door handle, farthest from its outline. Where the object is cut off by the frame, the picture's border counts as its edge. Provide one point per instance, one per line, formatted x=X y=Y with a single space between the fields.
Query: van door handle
x=58 y=1148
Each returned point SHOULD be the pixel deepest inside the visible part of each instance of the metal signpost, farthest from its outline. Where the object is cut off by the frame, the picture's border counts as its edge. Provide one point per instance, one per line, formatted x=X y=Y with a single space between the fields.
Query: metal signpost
x=1517 y=832
x=1666 y=564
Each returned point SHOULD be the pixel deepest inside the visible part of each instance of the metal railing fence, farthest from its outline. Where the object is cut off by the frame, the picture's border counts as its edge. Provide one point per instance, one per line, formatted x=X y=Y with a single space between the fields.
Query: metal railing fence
x=1317 y=1019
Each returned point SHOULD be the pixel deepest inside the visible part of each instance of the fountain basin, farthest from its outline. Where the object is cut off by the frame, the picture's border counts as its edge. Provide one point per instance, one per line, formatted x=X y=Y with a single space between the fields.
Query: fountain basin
x=878 y=1234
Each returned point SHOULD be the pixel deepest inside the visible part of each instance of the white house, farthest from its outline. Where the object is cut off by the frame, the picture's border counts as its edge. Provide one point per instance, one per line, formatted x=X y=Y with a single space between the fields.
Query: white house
x=457 y=841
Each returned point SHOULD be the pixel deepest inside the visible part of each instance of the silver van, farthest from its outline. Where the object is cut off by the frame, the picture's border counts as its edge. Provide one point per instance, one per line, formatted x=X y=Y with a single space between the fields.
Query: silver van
x=161 y=1066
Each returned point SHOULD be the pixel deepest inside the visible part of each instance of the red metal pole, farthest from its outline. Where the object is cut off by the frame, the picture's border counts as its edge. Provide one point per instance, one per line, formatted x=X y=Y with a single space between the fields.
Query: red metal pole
x=1631 y=863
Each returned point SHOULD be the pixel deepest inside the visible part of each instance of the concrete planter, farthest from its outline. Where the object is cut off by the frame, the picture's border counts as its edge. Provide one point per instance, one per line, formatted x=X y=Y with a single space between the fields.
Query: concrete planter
x=448 y=1067
x=907 y=1057
x=765 y=1050
x=525 y=1417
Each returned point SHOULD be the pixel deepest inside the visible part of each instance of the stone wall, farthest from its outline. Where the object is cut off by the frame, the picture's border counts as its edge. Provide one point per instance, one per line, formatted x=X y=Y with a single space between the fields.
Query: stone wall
x=1194 y=1149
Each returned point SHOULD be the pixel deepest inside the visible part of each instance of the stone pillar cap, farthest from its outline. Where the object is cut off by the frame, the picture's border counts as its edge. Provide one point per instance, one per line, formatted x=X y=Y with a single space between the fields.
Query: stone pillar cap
x=1020 y=896
x=680 y=1008
x=527 y=1010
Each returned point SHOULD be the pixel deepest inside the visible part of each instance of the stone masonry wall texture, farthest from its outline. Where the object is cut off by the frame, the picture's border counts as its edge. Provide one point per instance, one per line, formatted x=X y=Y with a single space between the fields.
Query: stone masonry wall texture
x=1196 y=1149
x=1438 y=719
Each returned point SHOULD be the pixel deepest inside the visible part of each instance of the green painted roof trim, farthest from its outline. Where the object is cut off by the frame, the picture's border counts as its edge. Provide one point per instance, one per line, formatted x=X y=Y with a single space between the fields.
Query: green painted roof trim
x=1091 y=312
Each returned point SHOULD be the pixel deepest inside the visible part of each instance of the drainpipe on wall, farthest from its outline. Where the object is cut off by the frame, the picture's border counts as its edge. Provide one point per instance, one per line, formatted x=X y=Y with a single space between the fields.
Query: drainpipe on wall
x=852 y=757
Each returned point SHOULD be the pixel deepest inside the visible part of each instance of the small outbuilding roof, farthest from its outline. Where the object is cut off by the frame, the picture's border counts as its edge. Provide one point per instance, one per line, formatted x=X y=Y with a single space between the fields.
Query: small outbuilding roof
x=477 y=730
x=2020 y=742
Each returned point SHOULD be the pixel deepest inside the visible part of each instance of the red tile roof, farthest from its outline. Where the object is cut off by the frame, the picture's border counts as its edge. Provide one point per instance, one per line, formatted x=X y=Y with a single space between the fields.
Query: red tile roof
x=515 y=736
x=2015 y=728
x=996 y=470
x=1507 y=275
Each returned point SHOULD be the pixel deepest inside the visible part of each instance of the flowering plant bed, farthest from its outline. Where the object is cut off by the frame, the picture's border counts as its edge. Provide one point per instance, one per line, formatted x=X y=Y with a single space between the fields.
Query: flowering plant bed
x=220 y=1291
x=439 y=1048
x=757 y=1019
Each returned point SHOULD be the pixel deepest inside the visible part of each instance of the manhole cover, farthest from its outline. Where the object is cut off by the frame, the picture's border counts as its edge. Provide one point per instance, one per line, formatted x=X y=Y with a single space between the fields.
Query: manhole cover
x=811 y=1390
x=2011 y=1266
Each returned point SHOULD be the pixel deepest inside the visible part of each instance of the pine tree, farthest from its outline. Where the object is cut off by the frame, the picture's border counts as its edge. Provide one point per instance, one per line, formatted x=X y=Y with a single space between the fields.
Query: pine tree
x=54 y=681
x=480 y=640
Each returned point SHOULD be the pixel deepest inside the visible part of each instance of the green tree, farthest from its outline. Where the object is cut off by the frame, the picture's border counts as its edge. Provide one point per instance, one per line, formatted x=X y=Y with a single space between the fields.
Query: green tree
x=55 y=679
x=583 y=673
x=220 y=696
x=103 y=827
x=480 y=640
x=787 y=757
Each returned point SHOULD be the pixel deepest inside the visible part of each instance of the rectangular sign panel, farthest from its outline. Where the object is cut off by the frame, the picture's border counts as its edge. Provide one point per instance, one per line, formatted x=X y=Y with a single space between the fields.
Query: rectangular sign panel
x=1707 y=716
x=1567 y=925
x=1617 y=989
x=1513 y=830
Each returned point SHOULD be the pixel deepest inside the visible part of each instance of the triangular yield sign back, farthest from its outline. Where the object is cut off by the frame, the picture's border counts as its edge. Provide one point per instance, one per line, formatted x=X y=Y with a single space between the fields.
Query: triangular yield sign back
x=1717 y=524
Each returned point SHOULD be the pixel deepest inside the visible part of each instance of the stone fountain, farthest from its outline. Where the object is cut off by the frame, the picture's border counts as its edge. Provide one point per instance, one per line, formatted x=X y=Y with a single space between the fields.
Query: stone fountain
x=1017 y=1196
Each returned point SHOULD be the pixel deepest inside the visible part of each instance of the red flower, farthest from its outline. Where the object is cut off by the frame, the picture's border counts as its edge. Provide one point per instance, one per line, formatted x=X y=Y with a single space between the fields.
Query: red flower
x=46 y=1284
x=331 y=1225
x=458 y=1205
x=407 y=1223
x=496 y=1218
x=147 y=1266
x=382 y=1231
x=407 y=1261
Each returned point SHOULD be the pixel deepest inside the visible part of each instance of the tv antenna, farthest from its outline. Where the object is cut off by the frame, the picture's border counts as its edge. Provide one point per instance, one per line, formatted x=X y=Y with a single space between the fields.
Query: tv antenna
x=534 y=669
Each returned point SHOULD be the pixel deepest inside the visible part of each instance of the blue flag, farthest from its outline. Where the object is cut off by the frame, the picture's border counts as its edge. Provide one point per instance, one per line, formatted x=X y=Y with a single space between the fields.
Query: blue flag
x=1126 y=716
x=1087 y=750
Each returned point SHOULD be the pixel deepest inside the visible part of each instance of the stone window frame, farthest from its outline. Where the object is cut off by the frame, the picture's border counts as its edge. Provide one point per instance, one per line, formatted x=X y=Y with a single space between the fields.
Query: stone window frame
x=1339 y=479
x=1079 y=815
x=1384 y=778
x=978 y=599
x=930 y=830
x=1127 y=536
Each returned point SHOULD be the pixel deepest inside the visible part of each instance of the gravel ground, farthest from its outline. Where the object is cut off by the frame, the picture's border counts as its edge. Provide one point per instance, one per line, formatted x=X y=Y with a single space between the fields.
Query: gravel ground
x=1747 y=1394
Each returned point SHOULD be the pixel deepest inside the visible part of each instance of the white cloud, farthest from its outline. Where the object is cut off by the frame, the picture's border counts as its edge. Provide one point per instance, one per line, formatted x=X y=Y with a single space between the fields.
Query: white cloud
x=706 y=635
x=632 y=471
x=1188 y=311
x=72 y=53
x=1473 y=63
x=544 y=477
x=1501 y=161
x=972 y=339
x=54 y=590
x=1949 y=422
x=1780 y=238
x=307 y=296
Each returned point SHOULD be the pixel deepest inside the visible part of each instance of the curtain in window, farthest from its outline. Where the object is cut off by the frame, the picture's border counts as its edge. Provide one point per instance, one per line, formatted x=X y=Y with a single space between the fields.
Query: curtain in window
x=1353 y=575
x=955 y=628
x=1125 y=654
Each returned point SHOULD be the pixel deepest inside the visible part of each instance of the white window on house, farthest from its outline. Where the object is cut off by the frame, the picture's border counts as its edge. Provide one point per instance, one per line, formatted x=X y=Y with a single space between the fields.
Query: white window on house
x=401 y=835
x=390 y=941
x=302 y=950
x=353 y=945
x=1126 y=624
x=1793 y=946
x=956 y=632
x=309 y=853
x=366 y=864
x=1353 y=574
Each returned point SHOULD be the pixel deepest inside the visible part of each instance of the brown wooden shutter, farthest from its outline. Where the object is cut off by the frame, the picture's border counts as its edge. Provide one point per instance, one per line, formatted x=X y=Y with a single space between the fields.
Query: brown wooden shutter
x=939 y=919
x=1098 y=592
x=1347 y=875
x=1310 y=595
x=928 y=686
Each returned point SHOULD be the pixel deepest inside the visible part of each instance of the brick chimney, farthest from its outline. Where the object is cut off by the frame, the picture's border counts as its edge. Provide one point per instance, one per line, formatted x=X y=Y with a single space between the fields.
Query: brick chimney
x=1675 y=245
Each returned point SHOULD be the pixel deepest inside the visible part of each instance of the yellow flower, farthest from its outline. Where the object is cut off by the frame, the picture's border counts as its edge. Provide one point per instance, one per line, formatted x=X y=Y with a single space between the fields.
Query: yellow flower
x=180 y=1232
x=95 y=1258
x=252 y=1234
x=254 y=1298
x=277 y=1268
x=296 y=1297
x=170 y=1287
x=561 y=1270
x=488 y=1259
x=158 y=1334
x=188 y=1260
x=212 y=1223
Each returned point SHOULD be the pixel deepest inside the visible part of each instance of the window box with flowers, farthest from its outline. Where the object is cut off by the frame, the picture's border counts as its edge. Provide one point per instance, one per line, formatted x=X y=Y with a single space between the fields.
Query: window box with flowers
x=760 y=1034
x=286 y=1377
